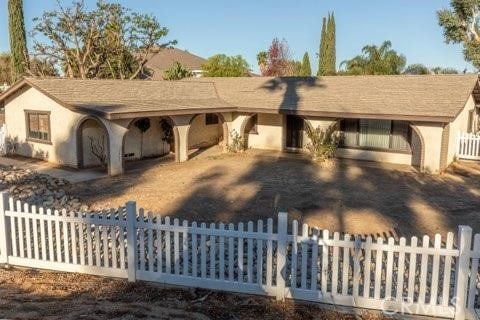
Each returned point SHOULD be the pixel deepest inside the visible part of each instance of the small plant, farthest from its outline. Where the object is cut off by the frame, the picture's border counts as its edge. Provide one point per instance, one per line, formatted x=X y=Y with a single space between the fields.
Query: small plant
x=323 y=143
x=143 y=125
x=236 y=142
x=97 y=147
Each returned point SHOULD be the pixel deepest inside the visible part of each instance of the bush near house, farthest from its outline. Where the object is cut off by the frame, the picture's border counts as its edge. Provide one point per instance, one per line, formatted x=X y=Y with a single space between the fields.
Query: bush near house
x=236 y=143
x=323 y=143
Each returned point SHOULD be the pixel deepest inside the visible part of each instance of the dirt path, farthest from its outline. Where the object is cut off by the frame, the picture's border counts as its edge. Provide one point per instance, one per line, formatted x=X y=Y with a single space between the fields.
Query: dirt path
x=354 y=197
x=30 y=294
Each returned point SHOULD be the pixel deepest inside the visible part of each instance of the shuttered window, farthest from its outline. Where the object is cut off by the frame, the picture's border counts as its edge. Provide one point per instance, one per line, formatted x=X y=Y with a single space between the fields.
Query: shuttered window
x=38 y=126
x=376 y=134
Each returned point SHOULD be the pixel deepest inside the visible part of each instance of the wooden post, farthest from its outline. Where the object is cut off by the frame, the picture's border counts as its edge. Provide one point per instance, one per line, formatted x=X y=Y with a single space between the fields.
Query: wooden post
x=131 y=208
x=5 y=245
x=281 y=255
x=461 y=275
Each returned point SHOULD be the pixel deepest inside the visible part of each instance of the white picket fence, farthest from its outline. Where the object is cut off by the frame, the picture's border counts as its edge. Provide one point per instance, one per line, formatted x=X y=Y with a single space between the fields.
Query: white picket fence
x=468 y=146
x=423 y=277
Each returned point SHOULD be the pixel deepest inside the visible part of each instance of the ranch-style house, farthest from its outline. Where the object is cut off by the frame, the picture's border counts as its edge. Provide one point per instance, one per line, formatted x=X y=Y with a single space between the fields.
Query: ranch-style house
x=411 y=120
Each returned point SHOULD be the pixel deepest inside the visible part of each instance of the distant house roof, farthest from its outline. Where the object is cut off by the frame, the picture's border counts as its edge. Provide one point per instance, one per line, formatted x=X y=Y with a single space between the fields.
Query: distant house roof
x=164 y=59
x=437 y=98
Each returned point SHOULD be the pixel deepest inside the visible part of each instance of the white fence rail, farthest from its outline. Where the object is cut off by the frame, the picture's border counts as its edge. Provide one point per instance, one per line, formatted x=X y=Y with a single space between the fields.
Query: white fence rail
x=425 y=276
x=468 y=146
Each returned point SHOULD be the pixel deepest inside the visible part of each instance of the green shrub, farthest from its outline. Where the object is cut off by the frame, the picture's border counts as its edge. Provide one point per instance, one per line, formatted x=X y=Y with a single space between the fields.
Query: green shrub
x=323 y=143
x=235 y=143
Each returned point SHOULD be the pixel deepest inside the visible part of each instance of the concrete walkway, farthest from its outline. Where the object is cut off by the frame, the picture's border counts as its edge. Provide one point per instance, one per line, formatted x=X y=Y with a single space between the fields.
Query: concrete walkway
x=69 y=174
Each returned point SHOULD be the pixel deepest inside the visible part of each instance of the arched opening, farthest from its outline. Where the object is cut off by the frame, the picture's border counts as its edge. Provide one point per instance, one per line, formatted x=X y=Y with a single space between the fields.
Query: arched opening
x=206 y=131
x=148 y=137
x=418 y=148
x=249 y=127
x=93 y=146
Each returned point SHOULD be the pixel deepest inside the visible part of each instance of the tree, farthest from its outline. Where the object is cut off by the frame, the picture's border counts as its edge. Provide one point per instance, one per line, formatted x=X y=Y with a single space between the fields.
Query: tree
x=107 y=42
x=176 y=72
x=279 y=63
x=221 y=65
x=376 y=60
x=461 y=25
x=327 y=56
x=262 y=61
x=322 y=67
x=18 y=41
x=441 y=70
x=331 y=58
x=6 y=74
x=417 y=69
x=306 y=70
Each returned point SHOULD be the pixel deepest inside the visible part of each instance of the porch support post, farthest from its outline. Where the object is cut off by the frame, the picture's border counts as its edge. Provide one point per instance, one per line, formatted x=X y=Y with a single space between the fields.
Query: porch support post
x=181 y=129
x=116 y=132
x=431 y=136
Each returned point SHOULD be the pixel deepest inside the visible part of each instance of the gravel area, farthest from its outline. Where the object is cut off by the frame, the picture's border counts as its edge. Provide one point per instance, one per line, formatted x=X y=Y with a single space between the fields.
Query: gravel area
x=32 y=294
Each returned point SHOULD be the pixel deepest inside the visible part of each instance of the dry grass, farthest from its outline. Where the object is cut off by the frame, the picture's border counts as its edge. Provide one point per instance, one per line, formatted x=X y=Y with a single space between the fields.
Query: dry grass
x=33 y=294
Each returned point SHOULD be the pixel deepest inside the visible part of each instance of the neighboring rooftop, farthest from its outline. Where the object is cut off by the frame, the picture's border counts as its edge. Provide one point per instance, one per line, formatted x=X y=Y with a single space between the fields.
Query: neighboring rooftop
x=413 y=97
x=164 y=59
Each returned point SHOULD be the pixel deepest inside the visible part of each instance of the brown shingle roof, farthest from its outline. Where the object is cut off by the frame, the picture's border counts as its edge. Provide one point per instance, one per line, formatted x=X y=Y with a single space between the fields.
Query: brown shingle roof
x=112 y=97
x=166 y=58
x=429 y=97
x=420 y=96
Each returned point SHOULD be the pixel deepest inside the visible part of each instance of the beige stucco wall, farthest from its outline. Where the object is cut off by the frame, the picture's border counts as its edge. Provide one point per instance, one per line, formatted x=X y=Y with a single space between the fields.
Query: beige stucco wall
x=63 y=123
x=153 y=143
x=460 y=124
x=377 y=156
x=202 y=135
x=270 y=132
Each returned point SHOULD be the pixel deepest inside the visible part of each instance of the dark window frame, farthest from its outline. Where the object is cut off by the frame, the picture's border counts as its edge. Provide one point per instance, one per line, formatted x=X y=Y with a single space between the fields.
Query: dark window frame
x=29 y=133
x=389 y=149
x=211 y=119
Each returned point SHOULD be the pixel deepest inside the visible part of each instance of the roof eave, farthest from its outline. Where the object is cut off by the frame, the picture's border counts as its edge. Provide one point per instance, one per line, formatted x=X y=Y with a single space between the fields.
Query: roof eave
x=348 y=115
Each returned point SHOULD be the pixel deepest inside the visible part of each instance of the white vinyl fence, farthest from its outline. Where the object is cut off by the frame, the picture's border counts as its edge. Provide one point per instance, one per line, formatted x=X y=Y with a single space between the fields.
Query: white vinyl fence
x=468 y=146
x=434 y=277
x=3 y=140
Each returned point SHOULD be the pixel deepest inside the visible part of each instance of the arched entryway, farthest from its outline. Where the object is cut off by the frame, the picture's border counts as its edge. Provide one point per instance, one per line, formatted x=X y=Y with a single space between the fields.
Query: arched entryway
x=207 y=130
x=418 y=147
x=93 y=145
x=148 y=137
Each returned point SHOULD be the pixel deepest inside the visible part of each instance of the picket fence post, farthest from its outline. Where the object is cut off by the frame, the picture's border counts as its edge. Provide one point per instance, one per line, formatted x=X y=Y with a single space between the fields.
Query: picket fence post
x=131 y=208
x=461 y=275
x=5 y=237
x=281 y=255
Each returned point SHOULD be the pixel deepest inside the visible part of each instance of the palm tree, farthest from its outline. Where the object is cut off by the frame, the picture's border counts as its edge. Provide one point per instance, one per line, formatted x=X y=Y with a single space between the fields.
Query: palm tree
x=376 y=60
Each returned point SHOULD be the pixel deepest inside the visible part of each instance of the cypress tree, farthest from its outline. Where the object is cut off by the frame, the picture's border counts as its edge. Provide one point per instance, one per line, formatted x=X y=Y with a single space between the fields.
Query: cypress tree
x=332 y=54
x=18 y=41
x=306 y=70
x=322 y=51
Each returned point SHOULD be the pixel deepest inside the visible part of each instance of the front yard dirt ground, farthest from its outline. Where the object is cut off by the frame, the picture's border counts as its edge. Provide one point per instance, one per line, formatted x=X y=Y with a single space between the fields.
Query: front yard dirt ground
x=351 y=196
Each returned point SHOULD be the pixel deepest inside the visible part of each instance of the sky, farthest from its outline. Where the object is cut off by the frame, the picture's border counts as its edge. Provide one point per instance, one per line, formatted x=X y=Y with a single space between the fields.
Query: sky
x=246 y=27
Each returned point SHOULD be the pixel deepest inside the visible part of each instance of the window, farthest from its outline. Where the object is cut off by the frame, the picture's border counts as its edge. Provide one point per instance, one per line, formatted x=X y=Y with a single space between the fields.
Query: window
x=211 y=118
x=38 y=126
x=376 y=134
